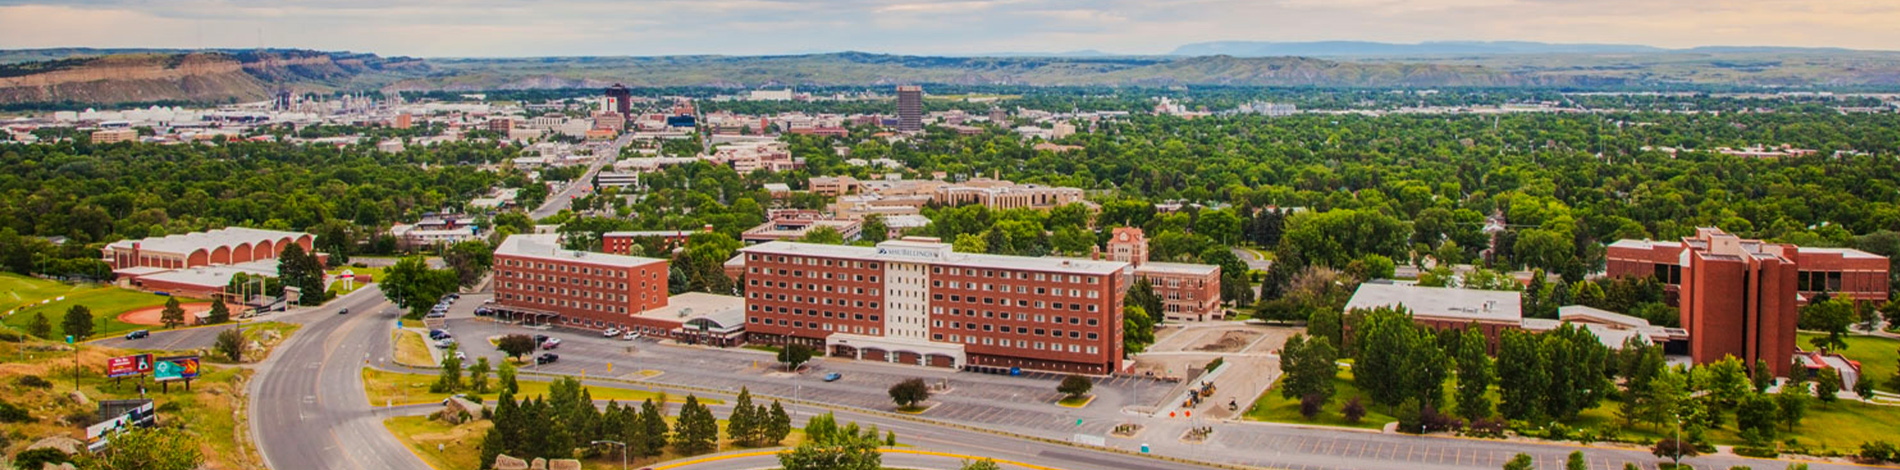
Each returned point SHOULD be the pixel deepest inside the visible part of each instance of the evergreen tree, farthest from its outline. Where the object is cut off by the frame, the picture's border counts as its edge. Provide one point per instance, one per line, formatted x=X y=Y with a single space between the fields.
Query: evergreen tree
x=1826 y=385
x=695 y=431
x=1475 y=375
x=652 y=422
x=173 y=315
x=1521 y=365
x=741 y=423
x=78 y=322
x=492 y=447
x=220 y=312
x=40 y=327
x=781 y=425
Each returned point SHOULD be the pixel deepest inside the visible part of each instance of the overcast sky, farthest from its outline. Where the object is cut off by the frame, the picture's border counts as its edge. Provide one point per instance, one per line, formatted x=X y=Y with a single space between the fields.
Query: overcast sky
x=491 y=28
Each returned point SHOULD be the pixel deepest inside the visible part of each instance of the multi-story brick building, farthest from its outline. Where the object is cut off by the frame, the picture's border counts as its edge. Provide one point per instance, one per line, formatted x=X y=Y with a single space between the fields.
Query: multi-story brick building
x=621 y=243
x=1187 y=291
x=1741 y=297
x=915 y=301
x=538 y=282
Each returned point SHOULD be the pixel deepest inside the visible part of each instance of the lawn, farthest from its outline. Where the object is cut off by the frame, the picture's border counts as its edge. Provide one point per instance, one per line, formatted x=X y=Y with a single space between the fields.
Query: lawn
x=25 y=293
x=461 y=445
x=1879 y=357
x=411 y=350
x=1272 y=407
x=374 y=274
x=1076 y=402
x=400 y=388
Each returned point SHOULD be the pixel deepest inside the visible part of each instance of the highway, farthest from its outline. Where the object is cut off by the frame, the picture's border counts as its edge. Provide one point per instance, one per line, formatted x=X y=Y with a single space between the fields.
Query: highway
x=604 y=155
x=308 y=409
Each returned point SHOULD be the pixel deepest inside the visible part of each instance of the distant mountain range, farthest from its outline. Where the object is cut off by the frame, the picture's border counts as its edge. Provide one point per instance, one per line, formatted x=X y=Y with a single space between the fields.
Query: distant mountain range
x=1364 y=48
x=77 y=76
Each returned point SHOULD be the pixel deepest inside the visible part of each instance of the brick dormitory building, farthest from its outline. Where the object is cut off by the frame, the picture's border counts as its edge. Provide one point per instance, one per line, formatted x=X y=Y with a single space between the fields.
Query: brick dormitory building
x=915 y=301
x=1741 y=297
x=536 y=281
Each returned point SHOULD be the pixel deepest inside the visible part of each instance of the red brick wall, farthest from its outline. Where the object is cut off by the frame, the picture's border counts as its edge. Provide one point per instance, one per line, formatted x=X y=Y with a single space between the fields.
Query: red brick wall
x=797 y=284
x=593 y=292
x=965 y=306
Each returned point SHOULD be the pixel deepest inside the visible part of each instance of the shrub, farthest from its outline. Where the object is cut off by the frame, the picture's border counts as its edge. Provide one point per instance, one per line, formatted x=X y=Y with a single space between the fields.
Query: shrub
x=1215 y=364
x=1877 y=451
x=1487 y=427
x=11 y=413
x=80 y=418
x=1310 y=405
x=37 y=458
x=1764 y=452
x=1353 y=410
x=33 y=381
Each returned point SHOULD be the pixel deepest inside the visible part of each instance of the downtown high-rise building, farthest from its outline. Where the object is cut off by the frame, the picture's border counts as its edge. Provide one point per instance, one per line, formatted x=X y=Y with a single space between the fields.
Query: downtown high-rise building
x=910 y=108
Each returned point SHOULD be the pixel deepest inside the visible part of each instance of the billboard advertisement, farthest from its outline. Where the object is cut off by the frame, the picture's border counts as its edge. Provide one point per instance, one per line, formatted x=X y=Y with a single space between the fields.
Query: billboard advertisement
x=175 y=368
x=127 y=366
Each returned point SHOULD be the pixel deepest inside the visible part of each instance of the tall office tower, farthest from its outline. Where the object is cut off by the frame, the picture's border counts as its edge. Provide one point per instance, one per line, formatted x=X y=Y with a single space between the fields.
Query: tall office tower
x=622 y=98
x=910 y=108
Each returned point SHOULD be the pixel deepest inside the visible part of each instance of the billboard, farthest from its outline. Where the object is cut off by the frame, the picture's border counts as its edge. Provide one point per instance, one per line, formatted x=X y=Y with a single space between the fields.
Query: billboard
x=126 y=366
x=175 y=368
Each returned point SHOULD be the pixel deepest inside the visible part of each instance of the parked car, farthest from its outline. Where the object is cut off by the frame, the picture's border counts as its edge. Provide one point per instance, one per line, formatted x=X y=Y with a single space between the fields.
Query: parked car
x=343 y=311
x=546 y=358
x=140 y=334
x=461 y=356
x=631 y=335
x=445 y=343
x=438 y=334
x=611 y=332
x=551 y=343
x=538 y=339
x=833 y=377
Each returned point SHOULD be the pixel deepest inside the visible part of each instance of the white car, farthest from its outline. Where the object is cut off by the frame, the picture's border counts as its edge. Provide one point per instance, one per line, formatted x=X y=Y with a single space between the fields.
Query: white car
x=612 y=332
x=461 y=356
x=631 y=335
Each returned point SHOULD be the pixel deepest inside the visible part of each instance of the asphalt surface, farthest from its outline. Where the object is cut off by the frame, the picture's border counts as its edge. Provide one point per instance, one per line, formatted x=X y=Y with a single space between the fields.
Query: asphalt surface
x=308 y=408
x=605 y=154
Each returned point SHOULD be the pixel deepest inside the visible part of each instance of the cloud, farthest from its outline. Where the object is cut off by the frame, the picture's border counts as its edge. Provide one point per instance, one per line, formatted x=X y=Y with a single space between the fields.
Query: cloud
x=655 y=27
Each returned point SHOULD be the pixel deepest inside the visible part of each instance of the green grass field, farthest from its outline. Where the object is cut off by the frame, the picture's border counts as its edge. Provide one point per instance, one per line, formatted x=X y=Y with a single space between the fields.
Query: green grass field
x=392 y=387
x=1879 y=357
x=25 y=294
x=461 y=445
x=1272 y=407
x=337 y=288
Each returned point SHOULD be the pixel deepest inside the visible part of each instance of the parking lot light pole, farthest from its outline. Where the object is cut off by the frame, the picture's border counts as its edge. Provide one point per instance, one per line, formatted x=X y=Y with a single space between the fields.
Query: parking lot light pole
x=623 y=451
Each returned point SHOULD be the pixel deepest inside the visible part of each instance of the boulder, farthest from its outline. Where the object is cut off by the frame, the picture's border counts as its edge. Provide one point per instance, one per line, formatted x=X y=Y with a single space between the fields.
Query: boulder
x=538 y=464
x=79 y=398
x=564 y=464
x=63 y=443
x=504 y=462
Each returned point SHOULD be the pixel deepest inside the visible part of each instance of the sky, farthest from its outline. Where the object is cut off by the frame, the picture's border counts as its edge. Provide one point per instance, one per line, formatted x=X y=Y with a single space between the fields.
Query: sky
x=518 y=28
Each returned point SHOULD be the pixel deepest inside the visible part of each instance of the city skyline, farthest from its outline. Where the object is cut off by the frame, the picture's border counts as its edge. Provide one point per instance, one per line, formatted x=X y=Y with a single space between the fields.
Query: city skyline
x=486 y=28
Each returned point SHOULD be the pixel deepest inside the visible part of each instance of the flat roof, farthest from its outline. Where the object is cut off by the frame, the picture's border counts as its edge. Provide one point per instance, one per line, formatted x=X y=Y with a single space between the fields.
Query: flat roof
x=1844 y=252
x=1178 y=268
x=725 y=310
x=1570 y=312
x=213 y=276
x=207 y=240
x=1644 y=244
x=548 y=247
x=1441 y=302
x=907 y=251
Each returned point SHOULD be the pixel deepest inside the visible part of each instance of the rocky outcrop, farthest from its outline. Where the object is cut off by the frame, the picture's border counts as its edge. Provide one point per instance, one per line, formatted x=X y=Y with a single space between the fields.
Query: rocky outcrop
x=199 y=77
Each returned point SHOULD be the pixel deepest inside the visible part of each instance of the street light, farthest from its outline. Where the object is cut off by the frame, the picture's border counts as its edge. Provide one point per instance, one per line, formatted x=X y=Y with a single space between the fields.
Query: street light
x=1675 y=447
x=623 y=451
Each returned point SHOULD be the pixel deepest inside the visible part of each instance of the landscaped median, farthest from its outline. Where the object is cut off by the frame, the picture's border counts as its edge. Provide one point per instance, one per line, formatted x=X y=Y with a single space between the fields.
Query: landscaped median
x=411 y=349
x=396 y=388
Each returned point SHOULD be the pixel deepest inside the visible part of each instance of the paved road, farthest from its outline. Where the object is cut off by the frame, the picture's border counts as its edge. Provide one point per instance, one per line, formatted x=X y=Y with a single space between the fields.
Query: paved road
x=308 y=409
x=188 y=339
x=605 y=154
x=1253 y=258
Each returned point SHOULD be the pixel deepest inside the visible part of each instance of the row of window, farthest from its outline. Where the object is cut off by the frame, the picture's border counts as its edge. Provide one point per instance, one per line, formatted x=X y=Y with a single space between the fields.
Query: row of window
x=815 y=261
x=1018 y=302
x=827 y=314
x=811 y=287
x=1039 y=318
x=569 y=292
x=1021 y=343
x=568 y=268
x=809 y=300
x=552 y=302
x=814 y=274
x=1021 y=330
x=814 y=325
x=566 y=280
x=954 y=271
x=1019 y=275
x=1019 y=289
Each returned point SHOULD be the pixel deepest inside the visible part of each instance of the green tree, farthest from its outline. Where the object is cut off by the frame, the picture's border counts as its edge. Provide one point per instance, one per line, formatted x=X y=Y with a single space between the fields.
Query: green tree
x=1520 y=462
x=653 y=421
x=505 y=378
x=412 y=285
x=1833 y=317
x=1826 y=385
x=173 y=315
x=1137 y=329
x=779 y=426
x=230 y=343
x=450 y=380
x=40 y=327
x=1791 y=404
x=1475 y=375
x=1576 y=461
x=970 y=243
x=695 y=431
x=1309 y=366
x=910 y=393
x=150 y=449
x=985 y=464
x=823 y=235
x=742 y=423
x=78 y=323
x=1398 y=360
x=794 y=355
x=478 y=375
x=470 y=260
x=1075 y=386
x=874 y=229
x=1755 y=418
x=1521 y=363
x=219 y=313
x=830 y=447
